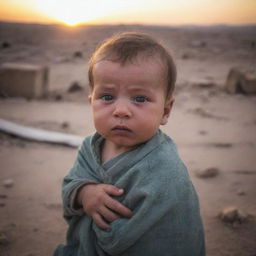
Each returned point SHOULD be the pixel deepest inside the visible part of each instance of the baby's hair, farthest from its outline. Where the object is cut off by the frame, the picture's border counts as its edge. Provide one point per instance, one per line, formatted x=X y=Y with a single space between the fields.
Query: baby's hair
x=126 y=47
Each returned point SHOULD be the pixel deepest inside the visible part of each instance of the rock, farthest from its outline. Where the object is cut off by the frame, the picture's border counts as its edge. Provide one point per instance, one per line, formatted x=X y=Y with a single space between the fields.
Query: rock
x=13 y=225
x=241 y=80
x=202 y=132
x=8 y=183
x=65 y=125
x=203 y=113
x=204 y=84
x=233 y=215
x=58 y=97
x=74 y=87
x=208 y=173
x=35 y=229
x=197 y=44
x=3 y=196
x=6 y=44
x=78 y=54
x=240 y=192
x=3 y=239
x=222 y=145
x=185 y=56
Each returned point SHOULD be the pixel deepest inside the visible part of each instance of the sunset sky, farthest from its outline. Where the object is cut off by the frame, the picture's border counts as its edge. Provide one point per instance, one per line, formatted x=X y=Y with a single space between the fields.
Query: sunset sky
x=161 y=12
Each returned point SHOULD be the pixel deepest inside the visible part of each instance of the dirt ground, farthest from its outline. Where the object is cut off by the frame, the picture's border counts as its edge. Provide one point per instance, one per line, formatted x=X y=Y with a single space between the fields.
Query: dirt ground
x=212 y=129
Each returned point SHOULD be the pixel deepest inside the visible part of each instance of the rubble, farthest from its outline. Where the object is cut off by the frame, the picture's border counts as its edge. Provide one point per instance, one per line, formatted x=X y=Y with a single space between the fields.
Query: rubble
x=3 y=239
x=208 y=173
x=233 y=215
x=8 y=183
x=241 y=80
x=75 y=87
x=23 y=80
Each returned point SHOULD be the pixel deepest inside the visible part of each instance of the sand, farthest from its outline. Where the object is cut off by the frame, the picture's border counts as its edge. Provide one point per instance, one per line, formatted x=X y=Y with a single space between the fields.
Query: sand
x=212 y=129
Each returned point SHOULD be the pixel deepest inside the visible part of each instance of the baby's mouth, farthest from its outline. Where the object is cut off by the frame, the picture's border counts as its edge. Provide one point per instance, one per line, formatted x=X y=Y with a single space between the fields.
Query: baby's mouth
x=121 y=128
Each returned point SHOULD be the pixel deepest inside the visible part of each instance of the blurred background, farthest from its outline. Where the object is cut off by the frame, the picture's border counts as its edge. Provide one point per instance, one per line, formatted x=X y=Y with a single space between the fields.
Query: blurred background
x=44 y=49
x=162 y=12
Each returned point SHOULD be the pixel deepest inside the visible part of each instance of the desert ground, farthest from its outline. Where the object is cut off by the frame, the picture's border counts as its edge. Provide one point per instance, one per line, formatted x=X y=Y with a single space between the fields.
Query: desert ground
x=212 y=129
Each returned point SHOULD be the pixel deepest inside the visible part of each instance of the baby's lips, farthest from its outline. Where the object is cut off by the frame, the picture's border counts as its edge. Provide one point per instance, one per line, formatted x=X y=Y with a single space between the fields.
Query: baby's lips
x=121 y=127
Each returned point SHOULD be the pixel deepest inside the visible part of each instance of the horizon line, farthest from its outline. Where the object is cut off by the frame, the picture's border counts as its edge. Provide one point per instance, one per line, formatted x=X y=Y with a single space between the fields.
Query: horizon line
x=130 y=24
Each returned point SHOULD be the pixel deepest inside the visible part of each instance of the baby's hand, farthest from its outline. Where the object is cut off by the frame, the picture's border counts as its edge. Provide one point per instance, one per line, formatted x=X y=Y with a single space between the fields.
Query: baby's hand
x=97 y=202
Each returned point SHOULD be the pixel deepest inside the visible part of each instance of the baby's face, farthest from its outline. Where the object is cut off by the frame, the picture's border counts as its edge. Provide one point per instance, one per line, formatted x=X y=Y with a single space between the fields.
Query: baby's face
x=129 y=101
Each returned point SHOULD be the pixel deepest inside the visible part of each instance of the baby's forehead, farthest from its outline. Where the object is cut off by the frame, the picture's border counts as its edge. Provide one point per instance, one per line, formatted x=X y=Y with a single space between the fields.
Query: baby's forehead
x=147 y=73
x=141 y=62
x=136 y=66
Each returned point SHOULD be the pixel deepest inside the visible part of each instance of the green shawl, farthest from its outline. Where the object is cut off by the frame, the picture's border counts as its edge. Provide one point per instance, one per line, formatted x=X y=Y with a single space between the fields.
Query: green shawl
x=166 y=219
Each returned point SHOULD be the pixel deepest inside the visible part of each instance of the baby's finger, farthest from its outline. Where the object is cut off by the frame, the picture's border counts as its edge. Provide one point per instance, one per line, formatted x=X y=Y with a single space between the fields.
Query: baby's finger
x=108 y=215
x=112 y=190
x=117 y=207
x=100 y=222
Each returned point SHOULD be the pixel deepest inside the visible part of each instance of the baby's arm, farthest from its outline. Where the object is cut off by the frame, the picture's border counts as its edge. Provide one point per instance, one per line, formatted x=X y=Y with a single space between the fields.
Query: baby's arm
x=97 y=202
x=83 y=191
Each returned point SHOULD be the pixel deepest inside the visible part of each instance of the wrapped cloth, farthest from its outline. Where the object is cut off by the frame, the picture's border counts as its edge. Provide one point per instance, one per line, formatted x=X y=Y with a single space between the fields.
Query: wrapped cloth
x=166 y=218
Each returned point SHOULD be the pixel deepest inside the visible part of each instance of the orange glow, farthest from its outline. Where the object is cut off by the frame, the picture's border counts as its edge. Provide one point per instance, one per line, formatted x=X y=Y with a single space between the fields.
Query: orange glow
x=167 y=12
x=18 y=11
x=74 y=12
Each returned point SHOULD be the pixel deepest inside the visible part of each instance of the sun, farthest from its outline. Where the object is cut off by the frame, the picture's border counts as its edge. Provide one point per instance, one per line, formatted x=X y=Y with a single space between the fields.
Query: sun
x=74 y=12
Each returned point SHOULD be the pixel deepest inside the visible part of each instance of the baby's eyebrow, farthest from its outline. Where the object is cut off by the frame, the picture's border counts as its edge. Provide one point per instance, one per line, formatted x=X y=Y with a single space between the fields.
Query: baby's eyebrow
x=107 y=87
x=139 y=89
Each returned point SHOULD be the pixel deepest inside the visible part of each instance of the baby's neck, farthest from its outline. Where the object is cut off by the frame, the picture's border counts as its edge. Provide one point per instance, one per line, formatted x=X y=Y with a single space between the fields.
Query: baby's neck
x=110 y=150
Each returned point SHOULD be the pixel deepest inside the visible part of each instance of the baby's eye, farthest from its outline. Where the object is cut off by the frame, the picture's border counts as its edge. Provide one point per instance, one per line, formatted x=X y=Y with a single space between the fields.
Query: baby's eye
x=107 y=97
x=140 y=99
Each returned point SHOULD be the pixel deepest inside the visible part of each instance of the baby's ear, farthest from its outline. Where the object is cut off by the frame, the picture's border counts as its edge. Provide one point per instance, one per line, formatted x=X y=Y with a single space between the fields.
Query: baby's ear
x=90 y=98
x=167 y=110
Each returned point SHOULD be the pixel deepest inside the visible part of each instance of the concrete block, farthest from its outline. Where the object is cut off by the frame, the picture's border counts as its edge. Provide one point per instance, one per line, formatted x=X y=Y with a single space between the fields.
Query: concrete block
x=241 y=80
x=23 y=80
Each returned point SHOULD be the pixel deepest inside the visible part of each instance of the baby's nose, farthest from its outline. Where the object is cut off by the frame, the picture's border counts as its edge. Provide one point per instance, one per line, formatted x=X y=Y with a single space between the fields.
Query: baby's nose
x=122 y=110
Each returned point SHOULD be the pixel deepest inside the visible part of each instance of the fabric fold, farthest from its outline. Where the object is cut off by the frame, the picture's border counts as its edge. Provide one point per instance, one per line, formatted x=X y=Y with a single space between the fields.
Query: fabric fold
x=158 y=190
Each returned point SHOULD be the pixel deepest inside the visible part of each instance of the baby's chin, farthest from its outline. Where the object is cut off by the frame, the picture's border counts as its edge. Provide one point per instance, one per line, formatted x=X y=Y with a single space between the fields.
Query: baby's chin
x=122 y=144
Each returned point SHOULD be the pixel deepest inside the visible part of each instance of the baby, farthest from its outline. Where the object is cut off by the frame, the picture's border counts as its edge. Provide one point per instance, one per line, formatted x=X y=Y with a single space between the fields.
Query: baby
x=129 y=193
